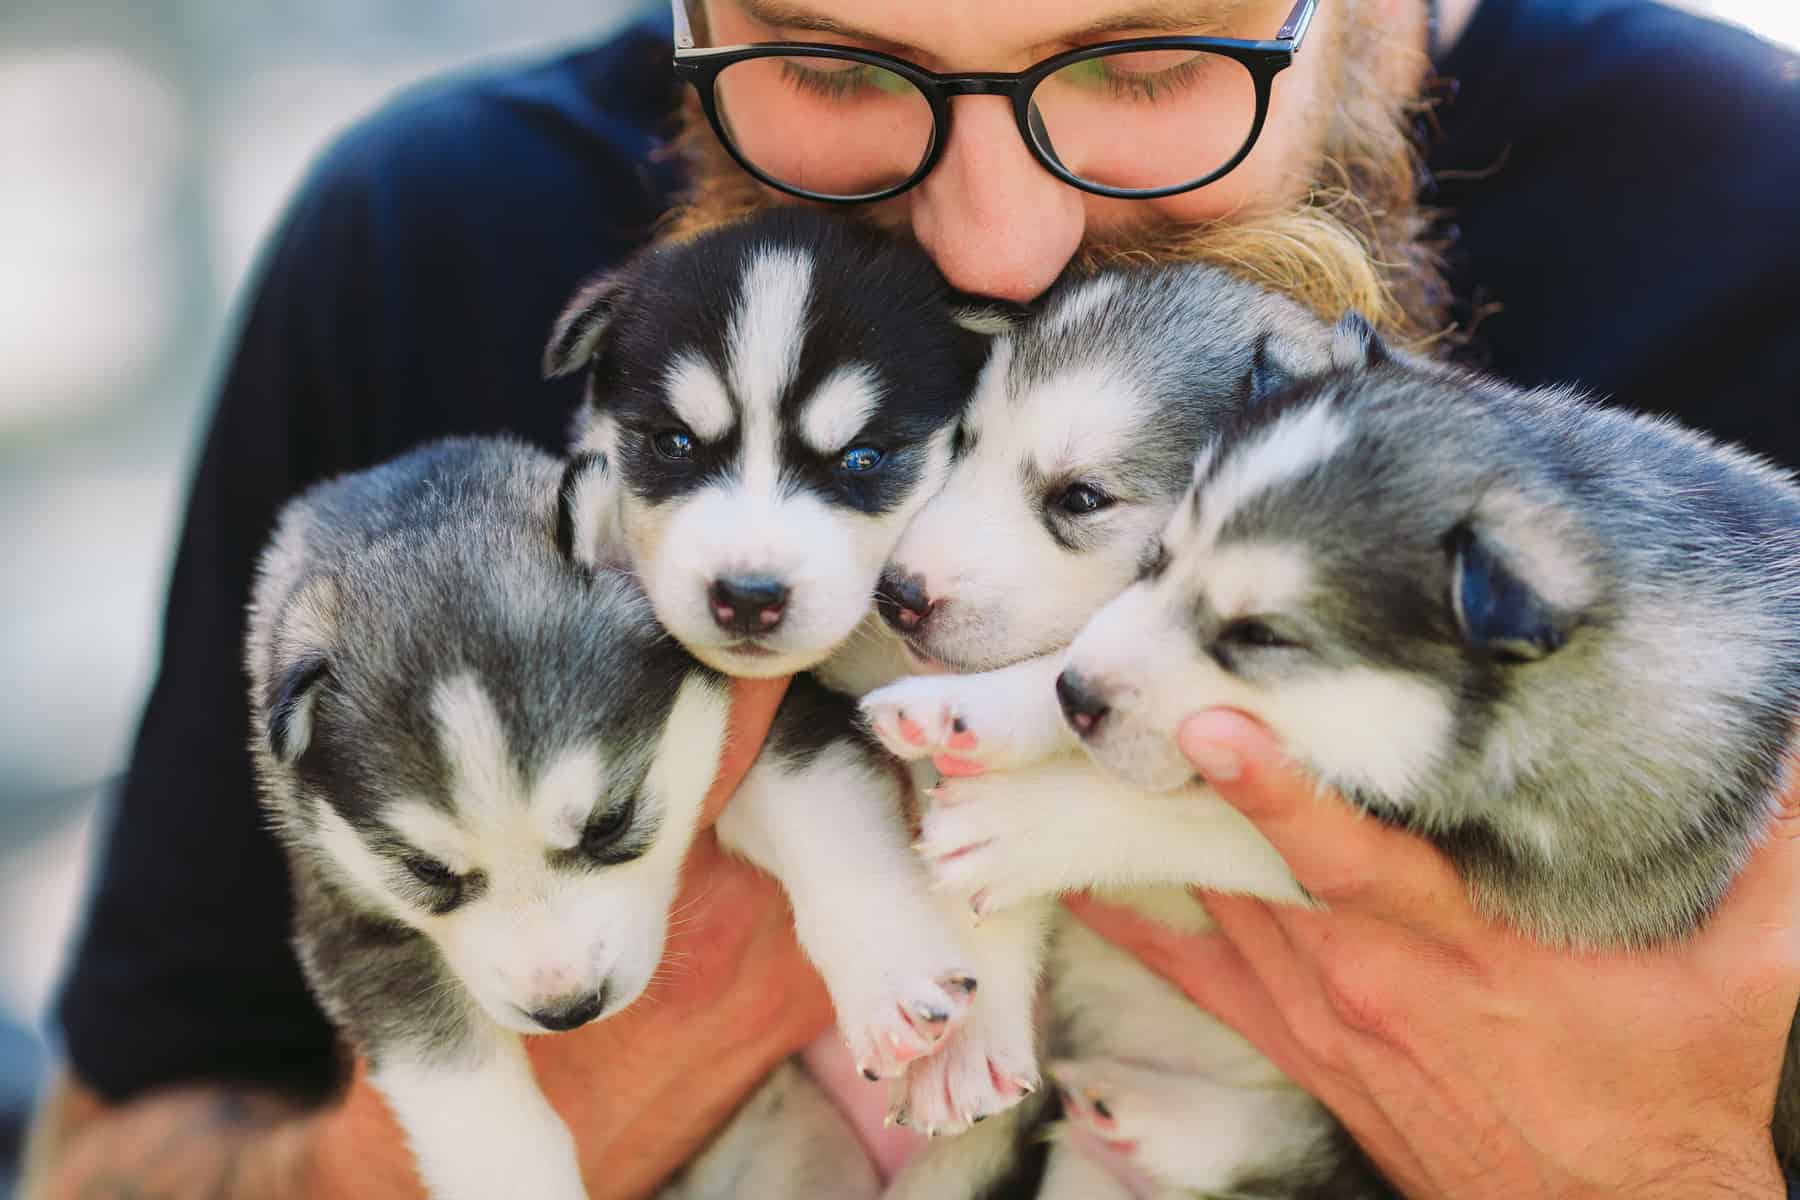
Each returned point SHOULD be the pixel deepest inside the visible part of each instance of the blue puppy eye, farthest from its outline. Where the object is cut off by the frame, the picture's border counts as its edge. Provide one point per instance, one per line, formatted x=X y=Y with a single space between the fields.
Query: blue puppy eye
x=858 y=459
x=674 y=444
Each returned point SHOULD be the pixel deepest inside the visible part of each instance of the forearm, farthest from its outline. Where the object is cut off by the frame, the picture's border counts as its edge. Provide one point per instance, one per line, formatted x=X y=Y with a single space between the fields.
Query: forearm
x=215 y=1140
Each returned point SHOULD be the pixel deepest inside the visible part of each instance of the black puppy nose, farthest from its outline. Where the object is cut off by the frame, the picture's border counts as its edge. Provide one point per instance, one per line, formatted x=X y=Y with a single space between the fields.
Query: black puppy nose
x=902 y=602
x=1084 y=707
x=748 y=604
x=571 y=1012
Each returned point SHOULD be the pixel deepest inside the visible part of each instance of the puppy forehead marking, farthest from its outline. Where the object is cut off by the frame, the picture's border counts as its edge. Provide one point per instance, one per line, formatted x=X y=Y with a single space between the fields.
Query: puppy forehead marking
x=473 y=740
x=1082 y=419
x=1247 y=578
x=566 y=794
x=768 y=326
x=430 y=830
x=698 y=396
x=1289 y=448
x=840 y=406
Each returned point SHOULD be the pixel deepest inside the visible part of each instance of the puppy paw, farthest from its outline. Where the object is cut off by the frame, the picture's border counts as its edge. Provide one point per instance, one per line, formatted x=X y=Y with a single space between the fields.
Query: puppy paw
x=957 y=721
x=972 y=1077
x=1098 y=1098
x=906 y=1022
x=978 y=840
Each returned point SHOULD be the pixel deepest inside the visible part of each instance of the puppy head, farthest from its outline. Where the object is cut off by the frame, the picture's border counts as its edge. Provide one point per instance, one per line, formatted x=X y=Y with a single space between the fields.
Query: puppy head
x=1352 y=566
x=1079 y=439
x=475 y=740
x=776 y=399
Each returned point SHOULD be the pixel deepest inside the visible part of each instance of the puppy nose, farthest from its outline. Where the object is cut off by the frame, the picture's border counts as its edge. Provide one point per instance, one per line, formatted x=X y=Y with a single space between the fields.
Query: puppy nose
x=748 y=604
x=1082 y=703
x=571 y=1012
x=902 y=602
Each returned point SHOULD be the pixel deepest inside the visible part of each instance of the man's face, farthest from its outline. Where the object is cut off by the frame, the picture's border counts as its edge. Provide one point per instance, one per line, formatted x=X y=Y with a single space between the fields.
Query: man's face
x=993 y=218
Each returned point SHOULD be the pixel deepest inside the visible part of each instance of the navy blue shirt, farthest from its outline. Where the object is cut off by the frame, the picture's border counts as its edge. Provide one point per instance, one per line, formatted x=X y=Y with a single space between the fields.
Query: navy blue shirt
x=1624 y=176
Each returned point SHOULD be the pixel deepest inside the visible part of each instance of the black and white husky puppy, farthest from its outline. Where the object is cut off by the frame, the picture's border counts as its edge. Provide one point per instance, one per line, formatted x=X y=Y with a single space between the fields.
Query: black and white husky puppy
x=1078 y=444
x=766 y=409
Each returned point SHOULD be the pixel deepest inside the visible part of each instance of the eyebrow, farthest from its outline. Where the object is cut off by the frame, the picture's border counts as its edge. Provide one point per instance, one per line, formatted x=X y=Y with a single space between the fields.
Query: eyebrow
x=1169 y=16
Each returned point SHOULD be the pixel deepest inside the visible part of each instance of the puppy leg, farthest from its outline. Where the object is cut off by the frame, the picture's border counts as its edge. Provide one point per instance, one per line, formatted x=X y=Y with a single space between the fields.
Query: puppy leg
x=830 y=826
x=1066 y=825
x=1188 y=1131
x=990 y=1063
x=1081 y=1172
x=476 y=1121
x=967 y=724
x=993 y=1159
x=788 y=1139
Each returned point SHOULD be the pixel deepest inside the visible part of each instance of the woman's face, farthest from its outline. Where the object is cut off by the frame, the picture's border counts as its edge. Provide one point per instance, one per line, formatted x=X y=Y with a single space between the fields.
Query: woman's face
x=995 y=220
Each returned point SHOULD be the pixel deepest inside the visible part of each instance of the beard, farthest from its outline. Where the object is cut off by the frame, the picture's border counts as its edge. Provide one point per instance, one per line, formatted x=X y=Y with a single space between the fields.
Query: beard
x=1357 y=239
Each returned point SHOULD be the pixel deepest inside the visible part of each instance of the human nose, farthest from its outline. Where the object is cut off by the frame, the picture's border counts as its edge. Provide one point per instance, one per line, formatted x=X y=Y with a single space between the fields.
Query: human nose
x=996 y=223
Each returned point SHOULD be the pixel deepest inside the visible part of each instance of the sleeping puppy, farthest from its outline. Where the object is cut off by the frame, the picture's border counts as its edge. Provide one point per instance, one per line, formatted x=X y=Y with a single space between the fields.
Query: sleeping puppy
x=486 y=762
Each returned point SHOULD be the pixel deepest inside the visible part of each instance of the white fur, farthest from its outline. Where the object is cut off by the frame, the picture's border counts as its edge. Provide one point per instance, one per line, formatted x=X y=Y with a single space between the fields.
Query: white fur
x=768 y=326
x=478 y=1125
x=1290 y=447
x=839 y=408
x=698 y=396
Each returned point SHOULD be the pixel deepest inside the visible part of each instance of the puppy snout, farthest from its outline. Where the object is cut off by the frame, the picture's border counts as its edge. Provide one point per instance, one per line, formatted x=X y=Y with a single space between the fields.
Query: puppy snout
x=1083 y=703
x=748 y=604
x=571 y=1012
x=902 y=602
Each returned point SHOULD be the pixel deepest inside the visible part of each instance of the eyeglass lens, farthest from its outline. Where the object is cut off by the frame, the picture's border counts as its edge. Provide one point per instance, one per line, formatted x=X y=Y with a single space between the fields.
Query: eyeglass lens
x=1133 y=119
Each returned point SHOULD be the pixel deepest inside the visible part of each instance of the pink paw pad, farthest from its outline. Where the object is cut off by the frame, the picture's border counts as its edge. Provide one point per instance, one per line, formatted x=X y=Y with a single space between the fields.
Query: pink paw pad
x=911 y=730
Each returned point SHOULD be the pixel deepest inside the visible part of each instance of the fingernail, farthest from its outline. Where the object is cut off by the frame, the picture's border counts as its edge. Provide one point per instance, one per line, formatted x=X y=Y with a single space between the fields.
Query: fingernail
x=1216 y=763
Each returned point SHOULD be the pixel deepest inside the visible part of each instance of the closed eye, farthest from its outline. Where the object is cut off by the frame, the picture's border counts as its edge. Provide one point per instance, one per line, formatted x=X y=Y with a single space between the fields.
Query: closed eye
x=1255 y=633
x=603 y=838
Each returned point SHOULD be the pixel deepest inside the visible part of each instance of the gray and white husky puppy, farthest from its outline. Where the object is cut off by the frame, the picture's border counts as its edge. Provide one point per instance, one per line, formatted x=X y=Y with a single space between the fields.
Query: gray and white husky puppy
x=486 y=763
x=1077 y=446
x=1559 y=639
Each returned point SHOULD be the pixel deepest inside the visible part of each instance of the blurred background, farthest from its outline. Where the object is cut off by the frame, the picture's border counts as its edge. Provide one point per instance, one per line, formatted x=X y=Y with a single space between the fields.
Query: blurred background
x=145 y=151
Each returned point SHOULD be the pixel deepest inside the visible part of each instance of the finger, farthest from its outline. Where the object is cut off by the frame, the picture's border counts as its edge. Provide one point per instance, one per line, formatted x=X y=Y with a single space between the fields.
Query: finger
x=1341 y=856
x=1757 y=927
x=753 y=705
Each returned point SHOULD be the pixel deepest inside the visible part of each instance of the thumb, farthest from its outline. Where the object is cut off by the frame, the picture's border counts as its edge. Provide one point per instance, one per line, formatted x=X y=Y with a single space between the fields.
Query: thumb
x=1341 y=856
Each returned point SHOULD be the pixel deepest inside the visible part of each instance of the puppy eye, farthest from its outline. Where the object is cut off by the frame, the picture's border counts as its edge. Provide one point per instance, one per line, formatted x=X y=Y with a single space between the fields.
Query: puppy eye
x=1079 y=499
x=674 y=444
x=1251 y=632
x=431 y=872
x=604 y=830
x=858 y=459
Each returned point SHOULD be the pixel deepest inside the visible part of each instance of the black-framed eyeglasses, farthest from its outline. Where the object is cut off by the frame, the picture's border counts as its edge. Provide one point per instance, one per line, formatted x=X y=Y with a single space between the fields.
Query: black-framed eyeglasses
x=1135 y=119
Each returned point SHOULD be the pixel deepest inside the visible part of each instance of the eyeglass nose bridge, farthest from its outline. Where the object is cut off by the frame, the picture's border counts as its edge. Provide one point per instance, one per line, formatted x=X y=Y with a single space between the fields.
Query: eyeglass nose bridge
x=974 y=83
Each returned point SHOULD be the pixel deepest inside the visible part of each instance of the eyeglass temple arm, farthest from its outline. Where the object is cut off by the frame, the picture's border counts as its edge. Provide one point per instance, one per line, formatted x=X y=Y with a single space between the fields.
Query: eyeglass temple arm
x=1292 y=30
x=684 y=31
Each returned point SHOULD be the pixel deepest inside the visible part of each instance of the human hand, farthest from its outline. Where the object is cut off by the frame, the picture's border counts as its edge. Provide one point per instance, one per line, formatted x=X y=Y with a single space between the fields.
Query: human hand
x=1466 y=1060
x=643 y=1091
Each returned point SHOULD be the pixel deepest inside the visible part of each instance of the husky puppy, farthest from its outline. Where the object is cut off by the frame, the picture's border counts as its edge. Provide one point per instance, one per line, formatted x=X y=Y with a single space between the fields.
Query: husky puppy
x=486 y=762
x=766 y=408
x=1076 y=448
x=1558 y=639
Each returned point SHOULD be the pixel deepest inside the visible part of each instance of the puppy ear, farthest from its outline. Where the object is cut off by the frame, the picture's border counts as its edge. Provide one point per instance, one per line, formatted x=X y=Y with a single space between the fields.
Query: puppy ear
x=287 y=713
x=1499 y=611
x=987 y=316
x=587 y=513
x=579 y=335
x=1267 y=374
x=1354 y=343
